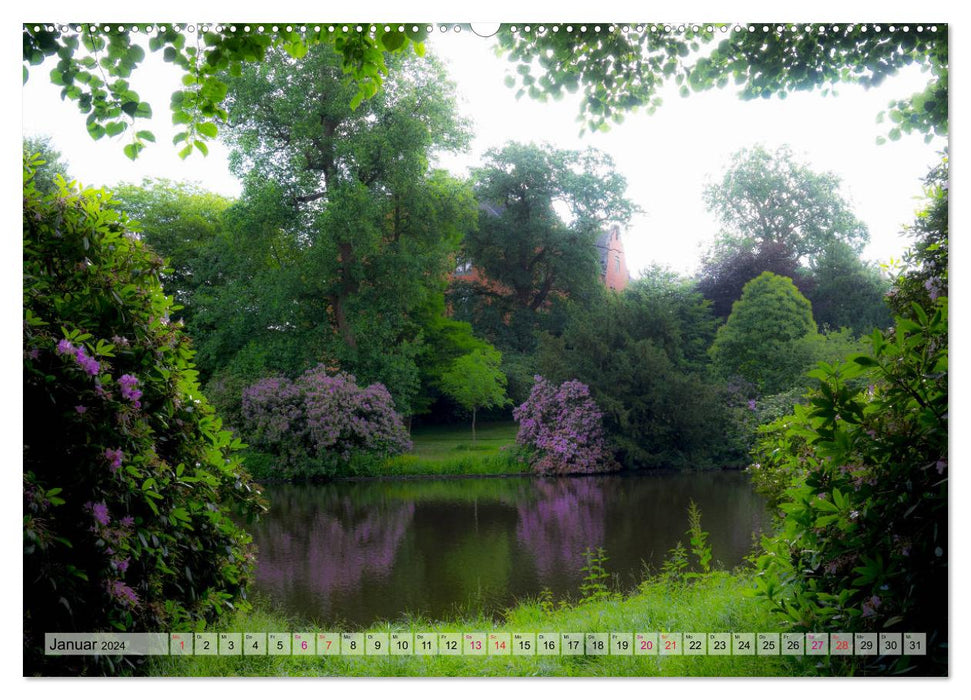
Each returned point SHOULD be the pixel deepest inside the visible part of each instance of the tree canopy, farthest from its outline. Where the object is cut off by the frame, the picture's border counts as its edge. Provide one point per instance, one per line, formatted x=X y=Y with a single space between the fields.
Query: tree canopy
x=624 y=68
x=97 y=77
x=764 y=339
x=342 y=231
x=540 y=215
x=619 y=67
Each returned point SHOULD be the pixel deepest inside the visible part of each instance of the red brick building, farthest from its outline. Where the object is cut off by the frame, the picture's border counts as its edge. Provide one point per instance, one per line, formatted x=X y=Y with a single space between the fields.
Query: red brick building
x=613 y=261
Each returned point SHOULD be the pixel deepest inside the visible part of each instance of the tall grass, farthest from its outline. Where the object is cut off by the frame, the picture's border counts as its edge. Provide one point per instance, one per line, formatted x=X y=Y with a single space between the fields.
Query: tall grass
x=715 y=602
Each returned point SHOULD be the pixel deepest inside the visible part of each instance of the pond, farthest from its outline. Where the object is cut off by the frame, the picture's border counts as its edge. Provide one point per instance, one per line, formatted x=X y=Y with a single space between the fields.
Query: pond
x=352 y=553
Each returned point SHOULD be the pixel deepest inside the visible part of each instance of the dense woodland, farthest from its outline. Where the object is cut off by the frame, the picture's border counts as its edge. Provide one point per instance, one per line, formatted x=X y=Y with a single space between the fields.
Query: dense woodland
x=318 y=316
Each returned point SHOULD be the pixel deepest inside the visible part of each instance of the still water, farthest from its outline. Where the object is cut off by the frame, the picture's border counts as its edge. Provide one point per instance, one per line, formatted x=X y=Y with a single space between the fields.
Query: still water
x=357 y=552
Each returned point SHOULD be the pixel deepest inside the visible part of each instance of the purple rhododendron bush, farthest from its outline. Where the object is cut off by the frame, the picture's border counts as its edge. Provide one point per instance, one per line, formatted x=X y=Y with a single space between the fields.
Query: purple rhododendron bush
x=128 y=478
x=318 y=424
x=561 y=429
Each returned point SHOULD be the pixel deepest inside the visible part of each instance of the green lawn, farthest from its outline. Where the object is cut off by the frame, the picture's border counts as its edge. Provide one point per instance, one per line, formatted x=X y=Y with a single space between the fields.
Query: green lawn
x=449 y=450
x=719 y=602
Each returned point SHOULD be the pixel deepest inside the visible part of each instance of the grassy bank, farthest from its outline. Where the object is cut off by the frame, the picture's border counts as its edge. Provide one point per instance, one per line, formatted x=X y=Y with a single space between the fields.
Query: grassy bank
x=718 y=602
x=437 y=451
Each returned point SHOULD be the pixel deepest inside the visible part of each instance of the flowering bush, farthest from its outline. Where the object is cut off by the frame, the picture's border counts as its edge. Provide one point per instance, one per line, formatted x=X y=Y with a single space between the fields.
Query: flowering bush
x=562 y=429
x=318 y=423
x=128 y=475
x=862 y=543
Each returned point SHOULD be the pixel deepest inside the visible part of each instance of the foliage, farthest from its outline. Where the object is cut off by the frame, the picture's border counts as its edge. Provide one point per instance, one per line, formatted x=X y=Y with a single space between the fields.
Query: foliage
x=129 y=478
x=698 y=538
x=595 y=576
x=561 y=427
x=923 y=276
x=847 y=293
x=316 y=424
x=625 y=67
x=183 y=223
x=768 y=338
x=715 y=602
x=475 y=381
x=863 y=541
x=47 y=161
x=444 y=339
x=527 y=255
x=642 y=353
x=768 y=197
x=620 y=69
x=97 y=76
x=343 y=235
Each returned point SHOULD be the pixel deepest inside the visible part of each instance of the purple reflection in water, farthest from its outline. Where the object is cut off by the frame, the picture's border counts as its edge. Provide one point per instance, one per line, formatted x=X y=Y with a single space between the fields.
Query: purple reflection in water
x=334 y=551
x=567 y=518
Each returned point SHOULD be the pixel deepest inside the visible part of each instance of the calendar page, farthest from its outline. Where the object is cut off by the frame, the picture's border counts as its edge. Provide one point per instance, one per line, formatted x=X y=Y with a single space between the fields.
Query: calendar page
x=549 y=348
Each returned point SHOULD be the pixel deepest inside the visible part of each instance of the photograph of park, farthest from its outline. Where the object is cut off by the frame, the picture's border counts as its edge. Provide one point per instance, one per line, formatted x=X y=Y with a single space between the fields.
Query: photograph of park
x=401 y=336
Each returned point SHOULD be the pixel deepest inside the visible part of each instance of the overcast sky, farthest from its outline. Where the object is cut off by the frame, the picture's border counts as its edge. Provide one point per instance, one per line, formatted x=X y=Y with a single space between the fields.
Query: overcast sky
x=667 y=157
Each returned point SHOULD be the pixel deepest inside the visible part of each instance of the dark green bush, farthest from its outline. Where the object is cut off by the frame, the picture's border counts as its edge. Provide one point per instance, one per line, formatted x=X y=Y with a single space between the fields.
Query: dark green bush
x=128 y=475
x=863 y=540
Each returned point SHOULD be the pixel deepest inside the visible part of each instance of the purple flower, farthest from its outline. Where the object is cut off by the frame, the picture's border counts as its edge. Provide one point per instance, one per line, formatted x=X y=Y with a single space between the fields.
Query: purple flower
x=121 y=565
x=128 y=390
x=88 y=364
x=100 y=513
x=64 y=347
x=122 y=593
x=115 y=457
x=127 y=521
x=80 y=409
x=33 y=353
x=751 y=404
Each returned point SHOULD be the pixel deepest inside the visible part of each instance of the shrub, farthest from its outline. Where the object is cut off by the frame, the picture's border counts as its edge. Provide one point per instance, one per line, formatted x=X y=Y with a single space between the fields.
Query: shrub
x=562 y=429
x=770 y=337
x=128 y=476
x=317 y=424
x=863 y=540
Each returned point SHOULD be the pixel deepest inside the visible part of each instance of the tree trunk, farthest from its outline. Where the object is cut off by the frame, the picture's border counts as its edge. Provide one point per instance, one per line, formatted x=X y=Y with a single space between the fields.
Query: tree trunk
x=473 y=426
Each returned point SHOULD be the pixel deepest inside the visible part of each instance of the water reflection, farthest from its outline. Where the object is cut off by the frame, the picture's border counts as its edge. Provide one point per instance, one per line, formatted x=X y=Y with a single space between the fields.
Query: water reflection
x=566 y=517
x=363 y=551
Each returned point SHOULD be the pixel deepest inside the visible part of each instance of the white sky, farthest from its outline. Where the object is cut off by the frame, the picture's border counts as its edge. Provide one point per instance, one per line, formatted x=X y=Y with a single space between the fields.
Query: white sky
x=666 y=157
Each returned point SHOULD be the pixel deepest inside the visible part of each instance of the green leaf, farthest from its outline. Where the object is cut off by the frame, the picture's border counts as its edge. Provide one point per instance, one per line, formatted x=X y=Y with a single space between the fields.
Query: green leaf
x=207 y=129
x=145 y=136
x=393 y=40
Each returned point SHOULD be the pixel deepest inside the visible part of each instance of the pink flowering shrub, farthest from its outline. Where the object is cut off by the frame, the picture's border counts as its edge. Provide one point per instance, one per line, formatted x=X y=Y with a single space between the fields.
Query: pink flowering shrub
x=128 y=476
x=317 y=424
x=561 y=429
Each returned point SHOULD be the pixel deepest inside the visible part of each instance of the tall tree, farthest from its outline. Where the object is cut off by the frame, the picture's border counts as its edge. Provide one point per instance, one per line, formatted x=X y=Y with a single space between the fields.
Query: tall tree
x=530 y=256
x=346 y=229
x=769 y=197
x=780 y=216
